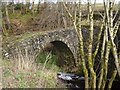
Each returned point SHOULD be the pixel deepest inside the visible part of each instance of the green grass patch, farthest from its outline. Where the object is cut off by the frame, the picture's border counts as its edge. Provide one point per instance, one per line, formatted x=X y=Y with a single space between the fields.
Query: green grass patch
x=47 y=57
x=7 y=72
x=22 y=84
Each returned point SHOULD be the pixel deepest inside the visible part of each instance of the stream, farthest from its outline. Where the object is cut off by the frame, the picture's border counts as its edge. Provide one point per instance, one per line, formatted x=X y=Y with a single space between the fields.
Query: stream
x=73 y=81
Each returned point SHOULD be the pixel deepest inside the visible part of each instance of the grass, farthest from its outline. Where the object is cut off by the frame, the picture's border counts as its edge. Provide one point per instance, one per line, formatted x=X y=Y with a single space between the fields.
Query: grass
x=20 y=22
x=42 y=57
x=25 y=20
x=19 y=38
x=17 y=75
x=37 y=79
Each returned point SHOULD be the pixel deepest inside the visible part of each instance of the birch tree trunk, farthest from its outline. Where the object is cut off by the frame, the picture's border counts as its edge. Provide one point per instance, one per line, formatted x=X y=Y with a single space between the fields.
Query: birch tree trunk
x=114 y=49
x=13 y=11
x=108 y=44
x=32 y=9
x=90 y=59
x=80 y=38
x=112 y=79
x=102 y=57
x=21 y=7
x=27 y=6
x=38 y=7
x=82 y=55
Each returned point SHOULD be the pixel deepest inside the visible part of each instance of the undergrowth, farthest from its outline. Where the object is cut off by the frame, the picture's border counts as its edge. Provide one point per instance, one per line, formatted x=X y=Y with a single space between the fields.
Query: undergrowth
x=23 y=72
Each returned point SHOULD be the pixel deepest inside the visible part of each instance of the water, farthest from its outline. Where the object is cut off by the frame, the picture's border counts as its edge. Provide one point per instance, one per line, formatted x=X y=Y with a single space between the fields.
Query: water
x=77 y=81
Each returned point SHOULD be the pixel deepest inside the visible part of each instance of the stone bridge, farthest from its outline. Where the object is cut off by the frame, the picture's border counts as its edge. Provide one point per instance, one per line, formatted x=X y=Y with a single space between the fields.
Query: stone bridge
x=37 y=43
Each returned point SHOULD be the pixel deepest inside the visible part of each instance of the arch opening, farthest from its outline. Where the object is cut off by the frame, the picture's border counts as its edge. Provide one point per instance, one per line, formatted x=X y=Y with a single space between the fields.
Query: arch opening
x=61 y=55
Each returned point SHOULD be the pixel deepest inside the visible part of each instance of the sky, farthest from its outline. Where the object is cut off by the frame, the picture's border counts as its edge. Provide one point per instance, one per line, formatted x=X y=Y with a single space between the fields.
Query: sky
x=36 y=1
x=83 y=1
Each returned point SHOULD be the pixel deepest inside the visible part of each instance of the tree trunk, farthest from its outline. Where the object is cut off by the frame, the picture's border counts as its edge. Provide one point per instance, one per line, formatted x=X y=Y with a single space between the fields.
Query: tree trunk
x=112 y=79
x=7 y=17
x=27 y=6
x=114 y=49
x=80 y=38
x=90 y=59
x=64 y=19
x=79 y=31
x=38 y=7
x=102 y=57
x=13 y=11
x=32 y=9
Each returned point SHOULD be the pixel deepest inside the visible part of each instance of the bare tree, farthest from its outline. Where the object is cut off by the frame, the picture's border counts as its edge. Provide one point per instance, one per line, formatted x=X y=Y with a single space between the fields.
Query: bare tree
x=38 y=7
x=80 y=37
x=13 y=11
x=90 y=59
x=33 y=8
x=109 y=32
x=27 y=6
x=7 y=16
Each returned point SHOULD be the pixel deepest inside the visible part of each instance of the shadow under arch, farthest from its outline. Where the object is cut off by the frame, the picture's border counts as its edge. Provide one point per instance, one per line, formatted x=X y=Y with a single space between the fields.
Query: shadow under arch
x=65 y=56
x=65 y=59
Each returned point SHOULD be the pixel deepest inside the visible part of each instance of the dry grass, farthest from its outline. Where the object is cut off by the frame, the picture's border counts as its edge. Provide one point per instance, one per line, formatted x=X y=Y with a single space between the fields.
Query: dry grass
x=0 y=62
x=23 y=72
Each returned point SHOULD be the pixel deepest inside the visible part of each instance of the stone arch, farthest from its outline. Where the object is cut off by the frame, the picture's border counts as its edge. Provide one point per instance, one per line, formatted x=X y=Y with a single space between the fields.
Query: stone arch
x=59 y=44
x=36 y=43
x=71 y=42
